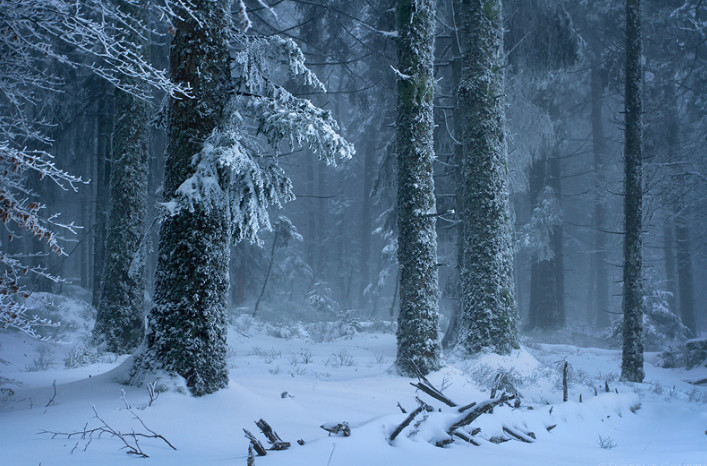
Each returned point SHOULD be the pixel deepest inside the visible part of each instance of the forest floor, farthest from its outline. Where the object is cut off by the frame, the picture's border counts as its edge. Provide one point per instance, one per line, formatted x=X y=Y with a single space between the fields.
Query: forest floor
x=297 y=379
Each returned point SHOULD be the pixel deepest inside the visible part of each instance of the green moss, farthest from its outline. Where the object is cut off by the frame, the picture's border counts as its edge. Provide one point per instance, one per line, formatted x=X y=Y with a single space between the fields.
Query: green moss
x=492 y=10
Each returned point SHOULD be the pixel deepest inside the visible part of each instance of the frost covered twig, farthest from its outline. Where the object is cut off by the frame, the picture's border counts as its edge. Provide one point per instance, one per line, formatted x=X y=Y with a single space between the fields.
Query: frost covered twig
x=129 y=439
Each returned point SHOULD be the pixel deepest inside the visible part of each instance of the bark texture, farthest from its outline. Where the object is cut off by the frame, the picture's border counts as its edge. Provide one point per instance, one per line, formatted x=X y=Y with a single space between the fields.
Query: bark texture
x=186 y=327
x=488 y=314
x=418 y=340
x=120 y=322
x=632 y=356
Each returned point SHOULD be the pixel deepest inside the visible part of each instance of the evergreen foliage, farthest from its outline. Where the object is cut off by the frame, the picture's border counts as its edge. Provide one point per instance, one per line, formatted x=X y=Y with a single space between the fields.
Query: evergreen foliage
x=219 y=182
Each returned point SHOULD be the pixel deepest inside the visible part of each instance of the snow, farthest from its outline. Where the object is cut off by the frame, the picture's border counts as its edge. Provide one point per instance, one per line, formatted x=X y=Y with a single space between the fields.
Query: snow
x=297 y=385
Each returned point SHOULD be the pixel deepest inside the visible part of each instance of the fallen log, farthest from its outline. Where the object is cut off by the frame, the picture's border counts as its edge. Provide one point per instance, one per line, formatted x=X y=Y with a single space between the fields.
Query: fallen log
x=467 y=407
x=518 y=435
x=427 y=387
x=478 y=410
x=466 y=438
x=423 y=407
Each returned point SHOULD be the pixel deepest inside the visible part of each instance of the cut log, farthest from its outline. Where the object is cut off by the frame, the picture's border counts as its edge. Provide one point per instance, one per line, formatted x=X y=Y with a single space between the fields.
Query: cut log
x=274 y=439
x=423 y=407
x=257 y=446
x=518 y=435
x=336 y=429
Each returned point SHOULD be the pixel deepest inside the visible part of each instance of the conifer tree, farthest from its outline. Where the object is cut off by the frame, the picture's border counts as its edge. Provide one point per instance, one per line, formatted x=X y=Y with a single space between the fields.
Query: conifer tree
x=121 y=316
x=488 y=314
x=632 y=357
x=418 y=341
x=219 y=182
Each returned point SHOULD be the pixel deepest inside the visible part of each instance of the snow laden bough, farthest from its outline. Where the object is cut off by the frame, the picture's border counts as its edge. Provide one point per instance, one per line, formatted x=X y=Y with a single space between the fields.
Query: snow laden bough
x=233 y=179
x=260 y=111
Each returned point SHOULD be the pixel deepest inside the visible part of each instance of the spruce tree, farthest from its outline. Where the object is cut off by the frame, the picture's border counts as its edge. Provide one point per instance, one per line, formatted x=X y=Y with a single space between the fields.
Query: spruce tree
x=219 y=181
x=632 y=357
x=488 y=314
x=418 y=341
x=186 y=331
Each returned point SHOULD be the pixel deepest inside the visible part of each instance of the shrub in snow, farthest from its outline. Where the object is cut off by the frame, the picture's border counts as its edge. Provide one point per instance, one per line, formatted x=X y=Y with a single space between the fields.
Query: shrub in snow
x=661 y=328
x=696 y=352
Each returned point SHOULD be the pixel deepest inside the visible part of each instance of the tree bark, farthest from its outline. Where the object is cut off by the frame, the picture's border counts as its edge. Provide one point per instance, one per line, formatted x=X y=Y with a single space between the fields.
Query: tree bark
x=417 y=335
x=120 y=322
x=489 y=317
x=599 y=292
x=632 y=355
x=187 y=325
x=103 y=150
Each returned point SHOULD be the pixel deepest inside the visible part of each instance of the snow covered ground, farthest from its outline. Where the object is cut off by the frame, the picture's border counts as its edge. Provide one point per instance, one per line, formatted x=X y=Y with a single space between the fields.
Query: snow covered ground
x=297 y=384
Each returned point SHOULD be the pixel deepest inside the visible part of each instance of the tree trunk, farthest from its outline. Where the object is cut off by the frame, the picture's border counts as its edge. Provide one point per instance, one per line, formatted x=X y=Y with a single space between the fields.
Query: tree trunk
x=366 y=230
x=120 y=322
x=489 y=316
x=632 y=356
x=104 y=126
x=187 y=326
x=418 y=342
x=685 y=279
x=599 y=292
x=669 y=260
x=558 y=245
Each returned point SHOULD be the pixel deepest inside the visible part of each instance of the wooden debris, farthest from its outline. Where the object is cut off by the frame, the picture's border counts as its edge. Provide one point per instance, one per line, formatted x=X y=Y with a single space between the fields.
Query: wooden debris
x=606 y=386
x=401 y=408
x=257 y=446
x=478 y=410
x=274 y=439
x=426 y=386
x=300 y=442
x=580 y=397
x=251 y=456
x=549 y=428
x=518 y=435
x=423 y=407
x=564 y=381
x=467 y=407
x=466 y=438
x=498 y=439
x=336 y=429
x=444 y=442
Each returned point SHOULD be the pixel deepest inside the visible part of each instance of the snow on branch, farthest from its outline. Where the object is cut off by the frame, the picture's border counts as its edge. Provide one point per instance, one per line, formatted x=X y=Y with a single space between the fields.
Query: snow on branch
x=232 y=170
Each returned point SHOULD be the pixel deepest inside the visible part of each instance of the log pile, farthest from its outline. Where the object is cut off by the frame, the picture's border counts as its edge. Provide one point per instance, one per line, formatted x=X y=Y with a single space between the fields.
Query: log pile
x=467 y=414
